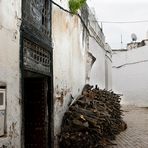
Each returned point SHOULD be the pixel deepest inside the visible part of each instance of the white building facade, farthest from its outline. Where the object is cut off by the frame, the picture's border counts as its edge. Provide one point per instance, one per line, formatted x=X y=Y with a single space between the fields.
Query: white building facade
x=84 y=57
x=47 y=55
x=130 y=75
x=10 y=113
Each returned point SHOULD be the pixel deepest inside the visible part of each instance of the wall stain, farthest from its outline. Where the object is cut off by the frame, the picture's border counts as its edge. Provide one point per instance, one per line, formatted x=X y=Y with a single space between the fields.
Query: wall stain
x=75 y=23
x=60 y=99
x=60 y=94
x=14 y=35
x=1 y=27
x=13 y=133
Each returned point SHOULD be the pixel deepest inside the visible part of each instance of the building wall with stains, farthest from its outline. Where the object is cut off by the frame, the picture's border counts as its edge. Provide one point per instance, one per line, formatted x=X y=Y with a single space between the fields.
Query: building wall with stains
x=68 y=61
x=101 y=70
x=78 y=58
x=97 y=75
x=108 y=67
x=100 y=73
x=10 y=14
x=130 y=75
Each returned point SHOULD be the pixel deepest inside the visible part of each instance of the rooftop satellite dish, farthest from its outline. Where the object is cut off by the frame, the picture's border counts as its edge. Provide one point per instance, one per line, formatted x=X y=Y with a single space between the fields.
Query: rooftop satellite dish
x=134 y=37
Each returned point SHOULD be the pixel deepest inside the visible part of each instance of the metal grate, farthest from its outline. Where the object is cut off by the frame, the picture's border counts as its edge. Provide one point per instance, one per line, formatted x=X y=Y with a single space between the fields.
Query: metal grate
x=37 y=14
x=36 y=58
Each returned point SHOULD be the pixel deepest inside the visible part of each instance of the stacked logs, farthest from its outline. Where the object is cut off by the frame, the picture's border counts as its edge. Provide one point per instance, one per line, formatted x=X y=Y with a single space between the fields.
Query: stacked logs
x=93 y=120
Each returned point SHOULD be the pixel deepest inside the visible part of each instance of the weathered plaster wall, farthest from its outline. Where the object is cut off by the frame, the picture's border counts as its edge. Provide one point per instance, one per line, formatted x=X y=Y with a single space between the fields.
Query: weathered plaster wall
x=73 y=53
x=108 y=74
x=10 y=14
x=97 y=49
x=108 y=68
x=97 y=75
x=68 y=61
x=100 y=73
x=130 y=75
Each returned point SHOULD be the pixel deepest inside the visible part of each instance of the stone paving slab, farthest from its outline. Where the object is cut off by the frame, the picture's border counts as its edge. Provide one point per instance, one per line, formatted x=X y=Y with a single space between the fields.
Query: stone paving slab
x=136 y=135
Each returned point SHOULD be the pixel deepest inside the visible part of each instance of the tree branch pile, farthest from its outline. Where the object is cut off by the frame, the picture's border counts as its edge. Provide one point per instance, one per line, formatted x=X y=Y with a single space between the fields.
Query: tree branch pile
x=93 y=120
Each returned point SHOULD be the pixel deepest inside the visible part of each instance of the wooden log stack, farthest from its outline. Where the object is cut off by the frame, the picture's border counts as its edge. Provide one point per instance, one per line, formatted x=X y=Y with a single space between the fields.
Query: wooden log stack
x=93 y=120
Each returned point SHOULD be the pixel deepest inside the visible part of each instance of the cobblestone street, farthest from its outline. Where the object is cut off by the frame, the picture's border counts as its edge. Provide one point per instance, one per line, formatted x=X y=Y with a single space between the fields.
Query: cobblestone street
x=136 y=135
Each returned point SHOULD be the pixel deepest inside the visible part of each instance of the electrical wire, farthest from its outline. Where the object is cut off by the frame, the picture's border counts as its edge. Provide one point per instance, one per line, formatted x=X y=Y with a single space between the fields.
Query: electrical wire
x=83 y=22
x=122 y=22
x=130 y=64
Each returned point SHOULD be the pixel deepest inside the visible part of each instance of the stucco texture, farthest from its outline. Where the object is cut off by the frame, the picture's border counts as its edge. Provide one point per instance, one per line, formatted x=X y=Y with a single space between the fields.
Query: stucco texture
x=130 y=75
x=10 y=12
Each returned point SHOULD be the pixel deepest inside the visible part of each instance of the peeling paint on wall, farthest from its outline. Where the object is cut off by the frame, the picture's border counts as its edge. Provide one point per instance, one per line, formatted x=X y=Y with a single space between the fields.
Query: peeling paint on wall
x=60 y=93
x=72 y=42
x=10 y=11
x=12 y=131
x=15 y=34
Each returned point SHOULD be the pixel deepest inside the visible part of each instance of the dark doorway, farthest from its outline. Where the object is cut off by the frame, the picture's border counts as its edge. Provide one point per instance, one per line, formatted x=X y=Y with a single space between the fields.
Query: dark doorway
x=36 y=111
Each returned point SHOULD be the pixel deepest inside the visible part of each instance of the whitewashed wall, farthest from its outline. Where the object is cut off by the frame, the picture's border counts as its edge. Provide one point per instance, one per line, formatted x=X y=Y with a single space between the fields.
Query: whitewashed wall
x=71 y=45
x=97 y=75
x=10 y=14
x=108 y=68
x=100 y=73
x=69 y=60
x=130 y=75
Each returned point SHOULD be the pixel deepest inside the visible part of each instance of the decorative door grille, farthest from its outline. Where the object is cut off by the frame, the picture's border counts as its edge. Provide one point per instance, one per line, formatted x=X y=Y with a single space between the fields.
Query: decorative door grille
x=36 y=58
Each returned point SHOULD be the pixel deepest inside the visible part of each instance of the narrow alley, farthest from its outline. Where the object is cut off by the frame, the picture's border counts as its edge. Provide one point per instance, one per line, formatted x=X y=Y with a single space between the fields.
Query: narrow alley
x=136 y=134
x=67 y=69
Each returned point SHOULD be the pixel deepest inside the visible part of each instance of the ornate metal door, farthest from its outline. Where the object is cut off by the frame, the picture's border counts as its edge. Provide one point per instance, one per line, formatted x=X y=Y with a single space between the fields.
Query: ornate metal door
x=36 y=58
x=36 y=113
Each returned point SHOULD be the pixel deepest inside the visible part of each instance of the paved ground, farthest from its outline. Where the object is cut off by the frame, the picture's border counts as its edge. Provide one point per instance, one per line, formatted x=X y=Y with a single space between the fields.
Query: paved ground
x=136 y=135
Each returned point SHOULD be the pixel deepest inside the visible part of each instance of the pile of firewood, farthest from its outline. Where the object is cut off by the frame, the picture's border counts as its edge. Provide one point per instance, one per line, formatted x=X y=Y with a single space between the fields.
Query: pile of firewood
x=93 y=120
